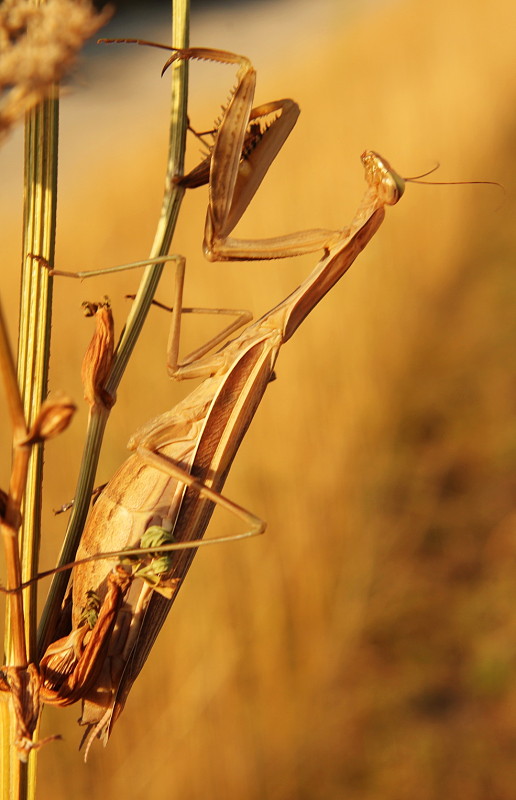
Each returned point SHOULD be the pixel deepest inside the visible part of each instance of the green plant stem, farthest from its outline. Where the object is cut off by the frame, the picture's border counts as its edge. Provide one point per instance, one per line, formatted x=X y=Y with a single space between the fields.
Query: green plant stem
x=41 y=142
x=173 y=196
x=41 y=147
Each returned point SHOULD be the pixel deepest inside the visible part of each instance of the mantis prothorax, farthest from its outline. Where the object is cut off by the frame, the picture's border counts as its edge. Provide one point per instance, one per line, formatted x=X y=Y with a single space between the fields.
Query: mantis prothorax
x=173 y=480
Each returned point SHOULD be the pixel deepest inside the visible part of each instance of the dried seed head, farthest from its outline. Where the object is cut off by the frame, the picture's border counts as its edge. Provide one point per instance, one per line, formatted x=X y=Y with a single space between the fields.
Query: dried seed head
x=53 y=418
x=23 y=685
x=38 y=45
x=99 y=355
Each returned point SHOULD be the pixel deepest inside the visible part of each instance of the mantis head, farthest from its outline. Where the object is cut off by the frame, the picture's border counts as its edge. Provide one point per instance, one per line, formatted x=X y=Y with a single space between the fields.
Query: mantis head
x=388 y=186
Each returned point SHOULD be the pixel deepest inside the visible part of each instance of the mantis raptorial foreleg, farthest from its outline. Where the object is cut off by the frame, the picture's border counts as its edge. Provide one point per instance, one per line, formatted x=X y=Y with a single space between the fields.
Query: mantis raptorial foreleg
x=247 y=140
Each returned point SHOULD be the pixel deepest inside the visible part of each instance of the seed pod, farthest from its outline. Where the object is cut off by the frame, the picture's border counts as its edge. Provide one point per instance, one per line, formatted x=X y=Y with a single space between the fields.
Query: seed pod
x=53 y=418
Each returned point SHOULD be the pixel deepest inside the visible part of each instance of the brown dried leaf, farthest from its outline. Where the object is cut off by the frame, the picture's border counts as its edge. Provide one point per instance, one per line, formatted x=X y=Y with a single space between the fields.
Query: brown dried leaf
x=71 y=666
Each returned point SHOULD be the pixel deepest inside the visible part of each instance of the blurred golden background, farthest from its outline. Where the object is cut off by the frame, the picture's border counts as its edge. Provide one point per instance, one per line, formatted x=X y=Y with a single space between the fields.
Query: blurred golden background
x=366 y=646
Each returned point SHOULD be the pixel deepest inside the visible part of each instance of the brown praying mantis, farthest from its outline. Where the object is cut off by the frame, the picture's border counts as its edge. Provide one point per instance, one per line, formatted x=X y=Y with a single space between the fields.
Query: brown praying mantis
x=162 y=498
x=174 y=479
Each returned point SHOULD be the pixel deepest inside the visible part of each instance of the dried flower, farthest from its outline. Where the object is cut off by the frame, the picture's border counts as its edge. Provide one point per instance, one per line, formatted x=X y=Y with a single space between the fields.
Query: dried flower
x=98 y=358
x=23 y=685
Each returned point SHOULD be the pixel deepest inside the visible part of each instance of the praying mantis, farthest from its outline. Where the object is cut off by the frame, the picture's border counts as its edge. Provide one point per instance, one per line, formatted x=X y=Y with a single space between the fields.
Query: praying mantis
x=176 y=473
x=168 y=488
x=174 y=479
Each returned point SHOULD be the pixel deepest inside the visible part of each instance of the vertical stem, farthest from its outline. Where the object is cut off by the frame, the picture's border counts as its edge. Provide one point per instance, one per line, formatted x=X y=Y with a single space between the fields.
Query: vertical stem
x=12 y=776
x=172 y=198
x=41 y=140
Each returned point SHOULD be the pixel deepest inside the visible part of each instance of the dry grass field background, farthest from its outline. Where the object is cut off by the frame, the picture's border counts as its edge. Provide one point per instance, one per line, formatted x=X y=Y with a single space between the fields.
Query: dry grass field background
x=366 y=646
